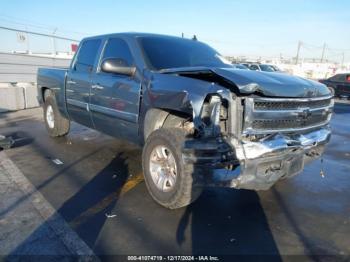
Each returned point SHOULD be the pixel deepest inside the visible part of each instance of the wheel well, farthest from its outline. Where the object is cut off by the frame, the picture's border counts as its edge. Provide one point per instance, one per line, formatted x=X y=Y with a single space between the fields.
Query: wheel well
x=156 y=118
x=44 y=90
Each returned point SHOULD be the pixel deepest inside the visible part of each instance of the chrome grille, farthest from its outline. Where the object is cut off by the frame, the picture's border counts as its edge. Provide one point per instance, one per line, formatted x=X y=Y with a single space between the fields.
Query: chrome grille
x=288 y=123
x=288 y=105
x=268 y=115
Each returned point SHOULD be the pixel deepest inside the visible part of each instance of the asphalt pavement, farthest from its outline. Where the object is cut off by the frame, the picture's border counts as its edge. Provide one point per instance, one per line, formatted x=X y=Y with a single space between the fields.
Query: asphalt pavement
x=94 y=182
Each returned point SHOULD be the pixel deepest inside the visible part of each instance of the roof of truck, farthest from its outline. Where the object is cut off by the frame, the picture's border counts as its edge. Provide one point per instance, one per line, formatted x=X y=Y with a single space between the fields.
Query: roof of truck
x=132 y=35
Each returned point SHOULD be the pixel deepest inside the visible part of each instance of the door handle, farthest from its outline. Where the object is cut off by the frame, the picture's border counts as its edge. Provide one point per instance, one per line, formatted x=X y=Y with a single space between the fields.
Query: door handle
x=98 y=87
x=71 y=82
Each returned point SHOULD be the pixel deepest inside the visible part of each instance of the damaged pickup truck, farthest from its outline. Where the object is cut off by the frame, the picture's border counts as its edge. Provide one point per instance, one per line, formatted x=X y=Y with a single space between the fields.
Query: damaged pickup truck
x=200 y=121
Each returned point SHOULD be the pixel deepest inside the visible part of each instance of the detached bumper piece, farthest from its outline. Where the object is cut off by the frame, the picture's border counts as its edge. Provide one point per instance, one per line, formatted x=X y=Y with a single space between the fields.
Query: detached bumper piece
x=6 y=142
x=208 y=152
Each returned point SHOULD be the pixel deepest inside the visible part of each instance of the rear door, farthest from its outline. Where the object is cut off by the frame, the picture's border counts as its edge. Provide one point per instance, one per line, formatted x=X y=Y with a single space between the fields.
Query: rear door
x=115 y=98
x=78 y=82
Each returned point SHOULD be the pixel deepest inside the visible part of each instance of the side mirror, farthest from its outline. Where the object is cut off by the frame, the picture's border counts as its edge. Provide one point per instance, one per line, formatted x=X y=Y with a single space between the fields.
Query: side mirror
x=117 y=66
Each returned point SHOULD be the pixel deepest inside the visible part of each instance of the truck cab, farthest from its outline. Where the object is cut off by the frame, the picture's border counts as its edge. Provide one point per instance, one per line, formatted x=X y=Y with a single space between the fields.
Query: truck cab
x=105 y=101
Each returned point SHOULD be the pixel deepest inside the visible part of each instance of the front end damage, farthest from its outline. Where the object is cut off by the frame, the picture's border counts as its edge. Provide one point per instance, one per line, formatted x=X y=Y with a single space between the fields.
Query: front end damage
x=263 y=163
x=253 y=142
x=251 y=129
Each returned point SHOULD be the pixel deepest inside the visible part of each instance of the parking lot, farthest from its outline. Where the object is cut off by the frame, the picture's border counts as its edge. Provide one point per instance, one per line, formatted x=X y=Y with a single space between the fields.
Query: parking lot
x=95 y=184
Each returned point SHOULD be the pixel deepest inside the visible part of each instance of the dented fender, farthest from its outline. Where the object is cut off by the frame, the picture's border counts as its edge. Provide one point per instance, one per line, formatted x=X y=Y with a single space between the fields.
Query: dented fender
x=179 y=93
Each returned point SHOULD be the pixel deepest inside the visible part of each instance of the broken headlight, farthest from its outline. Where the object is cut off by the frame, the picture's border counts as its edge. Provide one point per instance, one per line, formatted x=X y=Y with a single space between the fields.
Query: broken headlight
x=213 y=114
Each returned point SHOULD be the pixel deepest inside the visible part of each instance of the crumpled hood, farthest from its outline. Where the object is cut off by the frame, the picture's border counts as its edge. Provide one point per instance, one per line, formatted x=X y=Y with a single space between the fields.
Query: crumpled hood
x=267 y=83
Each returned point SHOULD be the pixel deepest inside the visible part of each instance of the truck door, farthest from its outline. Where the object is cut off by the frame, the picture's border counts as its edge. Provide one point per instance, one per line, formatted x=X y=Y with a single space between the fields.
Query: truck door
x=340 y=84
x=114 y=100
x=78 y=82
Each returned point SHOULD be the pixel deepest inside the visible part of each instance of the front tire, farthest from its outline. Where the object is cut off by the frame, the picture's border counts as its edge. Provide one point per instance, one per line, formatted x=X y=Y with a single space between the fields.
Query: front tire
x=169 y=180
x=55 y=123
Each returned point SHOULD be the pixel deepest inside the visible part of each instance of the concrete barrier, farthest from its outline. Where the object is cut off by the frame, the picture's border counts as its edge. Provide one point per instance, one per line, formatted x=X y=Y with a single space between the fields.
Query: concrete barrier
x=30 y=94
x=11 y=98
x=17 y=76
x=15 y=68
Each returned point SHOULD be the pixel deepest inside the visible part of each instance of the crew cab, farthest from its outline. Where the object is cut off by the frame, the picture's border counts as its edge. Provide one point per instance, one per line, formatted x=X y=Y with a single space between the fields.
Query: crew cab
x=200 y=121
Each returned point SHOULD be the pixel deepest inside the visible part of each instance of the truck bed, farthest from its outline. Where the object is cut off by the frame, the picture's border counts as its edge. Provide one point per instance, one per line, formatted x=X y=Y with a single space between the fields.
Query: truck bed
x=53 y=79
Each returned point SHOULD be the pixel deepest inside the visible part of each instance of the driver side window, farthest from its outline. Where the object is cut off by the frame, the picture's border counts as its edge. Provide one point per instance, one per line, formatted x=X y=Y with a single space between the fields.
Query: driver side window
x=118 y=48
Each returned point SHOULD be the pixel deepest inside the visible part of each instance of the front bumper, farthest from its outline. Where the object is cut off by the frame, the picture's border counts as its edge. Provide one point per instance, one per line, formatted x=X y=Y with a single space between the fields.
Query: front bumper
x=259 y=165
x=280 y=156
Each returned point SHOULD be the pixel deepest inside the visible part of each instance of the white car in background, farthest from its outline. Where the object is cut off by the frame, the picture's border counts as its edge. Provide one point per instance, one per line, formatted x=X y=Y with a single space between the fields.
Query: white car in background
x=263 y=67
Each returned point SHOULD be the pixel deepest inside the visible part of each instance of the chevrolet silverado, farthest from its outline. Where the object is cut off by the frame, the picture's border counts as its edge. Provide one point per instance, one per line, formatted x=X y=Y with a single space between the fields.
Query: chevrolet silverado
x=200 y=121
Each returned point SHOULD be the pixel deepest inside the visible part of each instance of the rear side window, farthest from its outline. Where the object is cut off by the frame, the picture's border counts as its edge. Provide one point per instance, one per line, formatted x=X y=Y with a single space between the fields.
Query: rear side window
x=87 y=55
x=254 y=67
x=338 y=78
x=118 y=48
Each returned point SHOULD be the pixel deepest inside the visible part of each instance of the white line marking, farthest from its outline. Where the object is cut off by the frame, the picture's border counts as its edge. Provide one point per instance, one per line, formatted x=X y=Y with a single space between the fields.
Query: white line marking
x=55 y=221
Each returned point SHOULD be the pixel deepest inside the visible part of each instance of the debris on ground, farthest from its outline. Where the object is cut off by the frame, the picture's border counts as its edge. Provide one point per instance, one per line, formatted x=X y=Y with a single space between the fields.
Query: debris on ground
x=232 y=240
x=69 y=142
x=110 y=215
x=57 y=161
x=322 y=174
x=6 y=142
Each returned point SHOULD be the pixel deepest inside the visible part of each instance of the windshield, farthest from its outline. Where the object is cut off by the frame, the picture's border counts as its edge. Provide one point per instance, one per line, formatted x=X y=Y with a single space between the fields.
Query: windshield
x=171 y=52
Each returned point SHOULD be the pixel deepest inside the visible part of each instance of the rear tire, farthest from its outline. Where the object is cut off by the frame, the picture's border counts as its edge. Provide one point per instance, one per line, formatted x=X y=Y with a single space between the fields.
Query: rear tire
x=180 y=190
x=55 y=123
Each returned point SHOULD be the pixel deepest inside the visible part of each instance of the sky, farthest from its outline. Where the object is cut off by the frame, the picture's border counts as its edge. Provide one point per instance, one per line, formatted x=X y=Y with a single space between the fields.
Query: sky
x=254 y=28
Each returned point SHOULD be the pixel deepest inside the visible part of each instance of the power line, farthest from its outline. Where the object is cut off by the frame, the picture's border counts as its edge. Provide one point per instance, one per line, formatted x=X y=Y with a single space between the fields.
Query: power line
x=30 y=23
x=36 y=33
x=17 y=23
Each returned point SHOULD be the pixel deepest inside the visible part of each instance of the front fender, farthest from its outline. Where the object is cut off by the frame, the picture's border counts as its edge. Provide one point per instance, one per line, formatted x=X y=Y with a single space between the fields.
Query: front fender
x=177 y=93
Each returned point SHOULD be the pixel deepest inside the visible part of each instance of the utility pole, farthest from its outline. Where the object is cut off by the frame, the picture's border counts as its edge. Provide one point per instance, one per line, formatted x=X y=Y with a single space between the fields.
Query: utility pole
x=298 y=52
x=27 y=40
x=54 y=41
x=323 y=50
